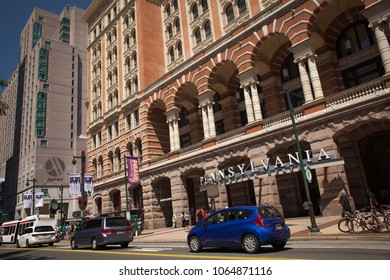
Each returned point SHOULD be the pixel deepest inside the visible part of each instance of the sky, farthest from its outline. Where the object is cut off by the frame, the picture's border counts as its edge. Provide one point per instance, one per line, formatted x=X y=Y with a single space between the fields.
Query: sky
x=13 y=17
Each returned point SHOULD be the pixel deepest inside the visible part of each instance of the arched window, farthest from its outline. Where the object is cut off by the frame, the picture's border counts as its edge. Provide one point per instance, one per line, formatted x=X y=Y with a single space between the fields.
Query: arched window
x=128 y=88
x=207 y=29
x=177 y=25
x=171 y=55
x=136 y=84
x=132 y=16
x=127 y=42
x=128 y=65
x=205 y=5
x=361 y=68
x=355 y=38
x=198 y=36
x=241 y=4
x=169 y=31
x=229 y=13
x=133 y=37
x=179 y=49
x=175 y=6
x=168 y=10
x=134 y=59
x=194 y=11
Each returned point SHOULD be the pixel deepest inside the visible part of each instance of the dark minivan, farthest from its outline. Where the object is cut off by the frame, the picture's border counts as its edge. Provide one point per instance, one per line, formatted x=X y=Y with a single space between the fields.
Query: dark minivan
x=248 y=227
x=102 y=231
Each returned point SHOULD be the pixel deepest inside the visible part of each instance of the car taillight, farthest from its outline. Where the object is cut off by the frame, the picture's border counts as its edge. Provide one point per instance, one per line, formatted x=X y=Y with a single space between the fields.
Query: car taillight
x=259 y=221
x=129 y=229
x=106 y=231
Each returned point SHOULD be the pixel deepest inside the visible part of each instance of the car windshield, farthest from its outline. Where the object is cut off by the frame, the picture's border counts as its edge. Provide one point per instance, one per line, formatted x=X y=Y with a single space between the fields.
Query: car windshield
x=267 y=212
x=43 y=228
x=116 y=222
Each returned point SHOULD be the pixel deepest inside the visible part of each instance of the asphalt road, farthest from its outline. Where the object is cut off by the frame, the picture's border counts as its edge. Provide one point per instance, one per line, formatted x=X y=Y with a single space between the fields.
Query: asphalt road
x=295 y=250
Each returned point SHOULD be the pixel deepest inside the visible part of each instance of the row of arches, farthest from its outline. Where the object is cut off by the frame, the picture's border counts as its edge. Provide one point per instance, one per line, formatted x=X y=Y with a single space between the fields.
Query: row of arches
x=233 y=90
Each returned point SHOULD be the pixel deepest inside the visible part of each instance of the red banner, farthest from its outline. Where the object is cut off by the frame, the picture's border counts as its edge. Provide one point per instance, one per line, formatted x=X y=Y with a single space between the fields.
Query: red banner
x=132 y=170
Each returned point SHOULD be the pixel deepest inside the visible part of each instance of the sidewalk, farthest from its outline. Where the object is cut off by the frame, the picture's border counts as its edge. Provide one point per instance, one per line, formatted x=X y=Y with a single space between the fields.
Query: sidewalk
x=298 y=226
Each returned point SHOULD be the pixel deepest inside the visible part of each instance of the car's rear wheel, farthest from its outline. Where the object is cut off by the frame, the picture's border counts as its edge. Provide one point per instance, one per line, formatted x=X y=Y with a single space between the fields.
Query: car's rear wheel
x=250 y=244
x=195 y=244
x=51 y=244
x=125 y=245
x=279 y=245
x=73 y=244
x=94 y=244
x=28 y=244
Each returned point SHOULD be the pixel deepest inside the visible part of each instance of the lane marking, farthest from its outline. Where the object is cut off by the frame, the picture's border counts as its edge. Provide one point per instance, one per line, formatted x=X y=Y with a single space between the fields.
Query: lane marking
x=154 y=254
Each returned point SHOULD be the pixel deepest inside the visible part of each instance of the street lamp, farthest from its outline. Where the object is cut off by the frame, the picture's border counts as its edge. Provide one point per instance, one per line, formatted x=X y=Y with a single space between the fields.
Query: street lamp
x=314 y=227
x=74 y=162
x=33 y=180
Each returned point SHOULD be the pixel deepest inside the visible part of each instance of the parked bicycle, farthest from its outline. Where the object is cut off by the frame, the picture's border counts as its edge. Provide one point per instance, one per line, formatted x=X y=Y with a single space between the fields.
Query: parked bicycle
x=352 y=223
x=377 y=221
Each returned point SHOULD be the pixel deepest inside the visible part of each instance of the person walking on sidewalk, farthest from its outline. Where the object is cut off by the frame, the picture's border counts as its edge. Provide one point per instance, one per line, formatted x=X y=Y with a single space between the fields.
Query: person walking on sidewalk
x=344 y=203
x=174 y=220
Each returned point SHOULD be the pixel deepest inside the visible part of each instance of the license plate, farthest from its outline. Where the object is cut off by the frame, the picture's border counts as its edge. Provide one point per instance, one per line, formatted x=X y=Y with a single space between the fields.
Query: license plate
x=120 y=232
x=278 y=226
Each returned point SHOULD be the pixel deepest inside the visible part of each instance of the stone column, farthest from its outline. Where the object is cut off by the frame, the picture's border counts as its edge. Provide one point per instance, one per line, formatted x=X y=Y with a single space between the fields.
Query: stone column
x=315 y=78
x=383 y=43
x=176 y=133
x=206 y=103
x=205 y=120
x=210 y=113
x=248 y=104
x=172 y=120
x=171 y=137
x=305 y=80
x=256 y=101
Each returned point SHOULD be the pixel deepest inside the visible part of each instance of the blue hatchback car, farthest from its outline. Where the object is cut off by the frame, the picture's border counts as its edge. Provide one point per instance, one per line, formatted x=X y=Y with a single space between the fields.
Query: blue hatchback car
x=248 y=227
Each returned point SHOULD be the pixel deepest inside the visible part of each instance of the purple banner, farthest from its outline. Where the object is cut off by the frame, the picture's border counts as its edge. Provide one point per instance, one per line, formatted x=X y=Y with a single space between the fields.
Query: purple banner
x=132 y=170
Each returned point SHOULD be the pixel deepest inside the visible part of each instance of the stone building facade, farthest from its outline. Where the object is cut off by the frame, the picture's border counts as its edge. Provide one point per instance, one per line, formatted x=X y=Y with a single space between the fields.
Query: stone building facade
x=197 y=90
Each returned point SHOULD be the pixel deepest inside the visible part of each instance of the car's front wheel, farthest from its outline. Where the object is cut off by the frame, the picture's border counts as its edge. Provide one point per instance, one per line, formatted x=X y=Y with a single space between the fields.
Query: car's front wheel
x=195 y=244
x=250 y=244
x=17 y=244
x=28 y=244
x=279 y=245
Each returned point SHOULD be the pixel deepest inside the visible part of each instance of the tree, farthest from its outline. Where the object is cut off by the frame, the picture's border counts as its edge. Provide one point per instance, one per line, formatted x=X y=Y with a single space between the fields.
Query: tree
x=3 y=105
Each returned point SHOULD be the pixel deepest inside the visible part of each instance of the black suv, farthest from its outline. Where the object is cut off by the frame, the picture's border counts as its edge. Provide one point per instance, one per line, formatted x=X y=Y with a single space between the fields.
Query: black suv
x=101 y=231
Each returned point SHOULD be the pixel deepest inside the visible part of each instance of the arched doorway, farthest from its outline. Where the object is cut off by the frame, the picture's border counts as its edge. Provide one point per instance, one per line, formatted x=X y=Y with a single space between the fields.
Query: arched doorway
x=375 y=154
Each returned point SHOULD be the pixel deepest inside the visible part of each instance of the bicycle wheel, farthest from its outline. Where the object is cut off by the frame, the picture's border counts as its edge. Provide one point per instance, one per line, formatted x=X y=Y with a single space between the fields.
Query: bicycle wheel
x=358 y=225
x=371 y=224
x=345 y=225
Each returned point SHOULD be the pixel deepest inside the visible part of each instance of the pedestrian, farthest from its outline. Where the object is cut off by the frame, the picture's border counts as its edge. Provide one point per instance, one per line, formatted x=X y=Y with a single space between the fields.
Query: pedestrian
x=199 y=216
x=139 y=224
x=372 y=199
x=344 y=203
x=204 y=214
x=183 y=223
x=186 y=219
x=174 y=220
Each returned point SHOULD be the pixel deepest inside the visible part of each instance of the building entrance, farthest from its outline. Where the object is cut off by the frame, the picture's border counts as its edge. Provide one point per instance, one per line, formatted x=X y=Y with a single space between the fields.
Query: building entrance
x=375 y=155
